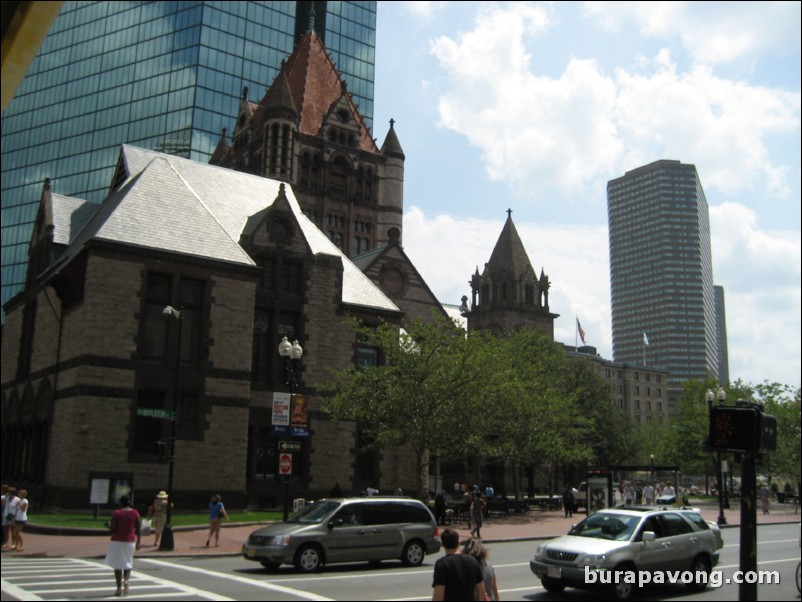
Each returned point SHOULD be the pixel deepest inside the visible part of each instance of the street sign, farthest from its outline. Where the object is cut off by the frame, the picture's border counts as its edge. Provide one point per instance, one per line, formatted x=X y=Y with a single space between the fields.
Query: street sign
x=285 y=464
x=155 y=413
x=289 y=446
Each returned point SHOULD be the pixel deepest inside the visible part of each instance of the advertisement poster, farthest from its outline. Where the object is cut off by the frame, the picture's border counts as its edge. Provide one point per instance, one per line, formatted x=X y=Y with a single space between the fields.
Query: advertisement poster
x=281 y=414
x=300 y=416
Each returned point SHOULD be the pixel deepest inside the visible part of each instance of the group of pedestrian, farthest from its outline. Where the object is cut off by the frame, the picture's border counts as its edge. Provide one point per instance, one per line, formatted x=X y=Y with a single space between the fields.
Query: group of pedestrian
x=126 y=533
x=15 y=515
x=463 y=576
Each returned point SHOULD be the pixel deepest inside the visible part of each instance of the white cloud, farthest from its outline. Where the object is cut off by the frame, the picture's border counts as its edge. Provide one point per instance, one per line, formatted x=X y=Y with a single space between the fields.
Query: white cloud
x=574 y=132
x=712 y=32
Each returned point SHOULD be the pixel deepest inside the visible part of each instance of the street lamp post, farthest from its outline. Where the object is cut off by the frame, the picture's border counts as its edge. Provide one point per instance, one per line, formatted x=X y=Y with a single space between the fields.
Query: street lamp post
x=167 y=542
x=292 y=354
x=709 y=396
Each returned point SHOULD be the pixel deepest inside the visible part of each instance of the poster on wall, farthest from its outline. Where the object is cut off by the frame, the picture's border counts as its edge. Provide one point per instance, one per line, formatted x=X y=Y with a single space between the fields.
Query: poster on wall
x=300 y=416
x=281 y=415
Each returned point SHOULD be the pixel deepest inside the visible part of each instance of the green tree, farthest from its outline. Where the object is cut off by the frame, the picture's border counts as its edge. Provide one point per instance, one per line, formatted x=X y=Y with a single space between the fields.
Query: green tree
x=534 y=417
x=783 y=402
x=429 y=381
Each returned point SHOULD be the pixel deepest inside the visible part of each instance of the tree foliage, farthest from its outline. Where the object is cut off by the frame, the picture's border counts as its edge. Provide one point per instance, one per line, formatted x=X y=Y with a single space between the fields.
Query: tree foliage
x=517 y=398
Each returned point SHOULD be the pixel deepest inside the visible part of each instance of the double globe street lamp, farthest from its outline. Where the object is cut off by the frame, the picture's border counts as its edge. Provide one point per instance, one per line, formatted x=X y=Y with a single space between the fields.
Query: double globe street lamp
x=167 y=542
x=292 y=354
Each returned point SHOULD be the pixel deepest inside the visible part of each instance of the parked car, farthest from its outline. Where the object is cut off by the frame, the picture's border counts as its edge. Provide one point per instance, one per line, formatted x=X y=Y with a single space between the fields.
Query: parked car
x=628 y=539
x=347 y=530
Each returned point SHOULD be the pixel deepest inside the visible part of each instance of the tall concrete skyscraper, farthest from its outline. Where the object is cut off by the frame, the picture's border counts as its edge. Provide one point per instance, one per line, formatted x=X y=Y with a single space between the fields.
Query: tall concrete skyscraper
x=165 y=76
x=721 y=336
x=661 y=271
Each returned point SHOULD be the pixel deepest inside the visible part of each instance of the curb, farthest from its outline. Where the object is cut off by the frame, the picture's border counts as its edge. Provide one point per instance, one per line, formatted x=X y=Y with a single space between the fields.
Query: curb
x=79 y=531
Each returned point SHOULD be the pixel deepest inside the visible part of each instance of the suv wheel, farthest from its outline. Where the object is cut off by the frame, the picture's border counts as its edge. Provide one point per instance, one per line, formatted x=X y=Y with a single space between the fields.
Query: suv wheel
x=700 y=564
x=308 y=559
x=550 y=584
x=413 y=554
x=622 y=590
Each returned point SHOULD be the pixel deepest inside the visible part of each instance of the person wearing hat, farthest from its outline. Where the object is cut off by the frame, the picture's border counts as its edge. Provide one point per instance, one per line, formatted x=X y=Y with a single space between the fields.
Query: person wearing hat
x=159 y=515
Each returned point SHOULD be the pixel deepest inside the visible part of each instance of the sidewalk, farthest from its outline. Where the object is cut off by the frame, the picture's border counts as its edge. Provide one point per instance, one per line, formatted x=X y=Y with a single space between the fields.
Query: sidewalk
x=192 y=542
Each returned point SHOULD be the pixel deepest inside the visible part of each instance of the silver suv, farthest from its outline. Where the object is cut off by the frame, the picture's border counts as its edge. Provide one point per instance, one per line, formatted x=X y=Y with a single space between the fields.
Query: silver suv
x=347 y=530
x=632 y=539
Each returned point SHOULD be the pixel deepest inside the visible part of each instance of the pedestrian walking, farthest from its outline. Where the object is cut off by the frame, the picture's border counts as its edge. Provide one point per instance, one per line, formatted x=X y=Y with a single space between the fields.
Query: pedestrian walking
x=765 y=494
x=217 y=511
x=20 y=518
x=9 y=517
x=158 y=513
x=568 y=502
x=477 y=513
x=125 y=540
x=473 y=547
x=8 y=495
x=456 y=576
x=440 y=507
x=648 y=494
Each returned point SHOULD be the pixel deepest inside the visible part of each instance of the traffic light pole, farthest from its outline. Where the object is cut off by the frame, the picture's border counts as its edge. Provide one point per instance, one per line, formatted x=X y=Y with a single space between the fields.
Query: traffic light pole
x=748 y=556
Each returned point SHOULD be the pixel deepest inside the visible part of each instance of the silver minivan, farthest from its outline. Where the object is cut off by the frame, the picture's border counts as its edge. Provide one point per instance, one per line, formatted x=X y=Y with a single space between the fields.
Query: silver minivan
x=347 y=530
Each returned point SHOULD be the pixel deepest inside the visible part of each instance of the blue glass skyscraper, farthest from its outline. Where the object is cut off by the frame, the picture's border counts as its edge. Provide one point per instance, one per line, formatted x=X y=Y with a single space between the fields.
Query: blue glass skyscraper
x=166 y=76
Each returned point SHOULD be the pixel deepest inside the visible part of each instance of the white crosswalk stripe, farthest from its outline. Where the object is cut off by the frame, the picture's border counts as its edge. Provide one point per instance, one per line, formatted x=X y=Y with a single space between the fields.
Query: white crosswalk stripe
x=76 y=579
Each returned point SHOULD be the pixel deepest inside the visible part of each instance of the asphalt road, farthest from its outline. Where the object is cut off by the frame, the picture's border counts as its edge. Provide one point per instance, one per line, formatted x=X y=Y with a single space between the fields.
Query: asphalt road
x=238 y=579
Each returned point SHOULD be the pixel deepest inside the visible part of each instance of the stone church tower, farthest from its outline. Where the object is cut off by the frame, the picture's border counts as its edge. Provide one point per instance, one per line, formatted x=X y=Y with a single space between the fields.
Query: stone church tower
x=508 y=295
x=307 y=131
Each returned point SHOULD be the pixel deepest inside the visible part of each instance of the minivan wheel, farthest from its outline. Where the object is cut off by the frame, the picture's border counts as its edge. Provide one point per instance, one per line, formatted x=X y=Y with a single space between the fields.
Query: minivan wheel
x=308 y=559
x=413 y=554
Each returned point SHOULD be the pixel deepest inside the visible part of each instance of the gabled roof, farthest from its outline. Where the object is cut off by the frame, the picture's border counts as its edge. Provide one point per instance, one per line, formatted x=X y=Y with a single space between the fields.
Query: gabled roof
x=314 y=84
x=509 y=255
x=167 y=203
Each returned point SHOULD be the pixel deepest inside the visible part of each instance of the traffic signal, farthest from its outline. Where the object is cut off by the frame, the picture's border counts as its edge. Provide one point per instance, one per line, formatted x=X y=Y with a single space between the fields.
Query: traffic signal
x=742 y=429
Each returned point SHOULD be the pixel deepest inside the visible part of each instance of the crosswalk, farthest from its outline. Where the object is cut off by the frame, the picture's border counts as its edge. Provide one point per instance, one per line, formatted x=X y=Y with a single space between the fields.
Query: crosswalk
x=78 y=579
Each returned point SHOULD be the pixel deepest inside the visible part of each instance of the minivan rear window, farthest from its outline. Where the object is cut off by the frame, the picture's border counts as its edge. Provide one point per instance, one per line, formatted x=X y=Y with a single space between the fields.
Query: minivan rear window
x=387 y=513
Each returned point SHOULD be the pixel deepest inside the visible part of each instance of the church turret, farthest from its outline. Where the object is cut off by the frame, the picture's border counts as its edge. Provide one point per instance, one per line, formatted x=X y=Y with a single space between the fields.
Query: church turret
x=391 y=201
x=508 y=295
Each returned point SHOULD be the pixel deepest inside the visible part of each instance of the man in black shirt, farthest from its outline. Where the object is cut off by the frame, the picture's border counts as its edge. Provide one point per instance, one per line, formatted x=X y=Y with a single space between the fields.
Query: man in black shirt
x=457 y=576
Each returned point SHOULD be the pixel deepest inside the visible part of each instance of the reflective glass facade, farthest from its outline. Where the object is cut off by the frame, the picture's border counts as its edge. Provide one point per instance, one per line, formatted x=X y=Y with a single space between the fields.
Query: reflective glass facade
x=661 y=271
x=166 y=76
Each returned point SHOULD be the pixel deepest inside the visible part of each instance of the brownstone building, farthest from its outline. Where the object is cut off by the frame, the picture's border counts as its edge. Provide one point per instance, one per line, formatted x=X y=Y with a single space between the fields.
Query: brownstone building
x=249 y=249
x=88 y=353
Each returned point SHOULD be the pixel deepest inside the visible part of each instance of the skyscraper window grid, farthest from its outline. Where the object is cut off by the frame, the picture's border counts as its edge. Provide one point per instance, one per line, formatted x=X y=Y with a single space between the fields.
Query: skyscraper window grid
x=161 y=75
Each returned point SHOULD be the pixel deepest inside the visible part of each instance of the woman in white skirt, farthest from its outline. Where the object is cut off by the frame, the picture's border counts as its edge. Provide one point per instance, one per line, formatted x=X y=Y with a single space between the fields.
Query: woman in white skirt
x=125 y=539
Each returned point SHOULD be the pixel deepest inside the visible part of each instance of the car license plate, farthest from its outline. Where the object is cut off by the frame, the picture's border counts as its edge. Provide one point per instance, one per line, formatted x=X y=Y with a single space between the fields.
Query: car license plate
x=251 y=553
x=555 y=572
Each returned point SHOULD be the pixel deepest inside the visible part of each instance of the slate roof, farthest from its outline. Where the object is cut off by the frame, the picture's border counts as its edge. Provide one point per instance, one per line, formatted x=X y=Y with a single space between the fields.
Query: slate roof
x=509 y=255
x=167 y=203
x=71 y=216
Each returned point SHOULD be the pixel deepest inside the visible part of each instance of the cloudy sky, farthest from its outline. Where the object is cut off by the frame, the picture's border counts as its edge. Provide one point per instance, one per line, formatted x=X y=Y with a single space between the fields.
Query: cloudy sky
x=535 y=106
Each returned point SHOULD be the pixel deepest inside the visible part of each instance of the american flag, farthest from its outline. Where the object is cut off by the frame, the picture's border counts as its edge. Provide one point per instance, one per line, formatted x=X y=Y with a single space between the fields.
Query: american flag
x=581 y=332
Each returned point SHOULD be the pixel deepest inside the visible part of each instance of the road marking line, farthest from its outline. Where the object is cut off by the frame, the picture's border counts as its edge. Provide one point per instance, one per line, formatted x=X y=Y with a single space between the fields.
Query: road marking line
x=250 y=582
